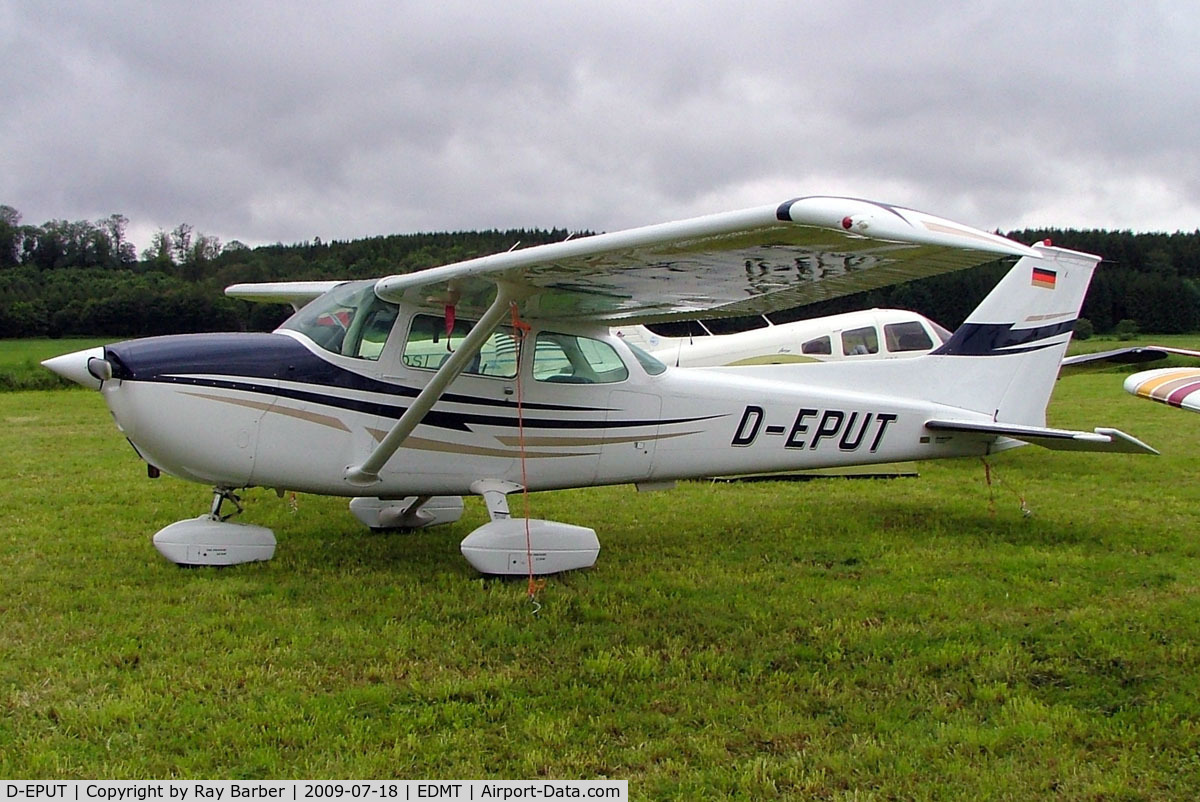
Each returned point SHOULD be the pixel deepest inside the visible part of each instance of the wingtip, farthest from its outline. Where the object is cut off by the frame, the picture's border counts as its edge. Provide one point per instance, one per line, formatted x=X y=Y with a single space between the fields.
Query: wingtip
x=1130 y=444
x=858 y=216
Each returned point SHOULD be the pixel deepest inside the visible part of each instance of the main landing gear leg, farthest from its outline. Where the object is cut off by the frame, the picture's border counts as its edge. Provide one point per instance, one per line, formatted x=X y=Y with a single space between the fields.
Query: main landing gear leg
x=212 y=540
x=220 y=496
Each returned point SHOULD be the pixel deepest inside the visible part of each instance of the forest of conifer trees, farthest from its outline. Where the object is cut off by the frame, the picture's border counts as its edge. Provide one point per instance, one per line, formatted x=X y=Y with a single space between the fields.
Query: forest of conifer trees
x=85 y=278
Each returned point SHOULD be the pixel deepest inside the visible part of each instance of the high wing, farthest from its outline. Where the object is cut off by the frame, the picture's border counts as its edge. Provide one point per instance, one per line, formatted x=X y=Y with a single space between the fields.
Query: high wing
x=745 y=262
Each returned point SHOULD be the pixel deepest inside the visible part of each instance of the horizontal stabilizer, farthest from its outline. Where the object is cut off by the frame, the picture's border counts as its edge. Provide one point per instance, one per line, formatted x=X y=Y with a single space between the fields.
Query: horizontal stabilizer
x=296 y=293
x=1112 y=440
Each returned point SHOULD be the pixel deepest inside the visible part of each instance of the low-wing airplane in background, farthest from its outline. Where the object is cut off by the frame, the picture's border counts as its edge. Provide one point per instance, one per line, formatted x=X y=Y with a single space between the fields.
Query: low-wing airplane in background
x=863 y=335
x=500 y=373
x=1133 y=355
x=1176 y=387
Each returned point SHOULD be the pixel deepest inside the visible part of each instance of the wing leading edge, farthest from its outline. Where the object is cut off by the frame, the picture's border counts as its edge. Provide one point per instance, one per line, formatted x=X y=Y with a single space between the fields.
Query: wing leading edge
x=751 y=261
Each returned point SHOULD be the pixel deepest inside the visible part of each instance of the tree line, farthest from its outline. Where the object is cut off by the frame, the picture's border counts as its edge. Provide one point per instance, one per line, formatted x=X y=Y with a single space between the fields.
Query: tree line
x=86 y=278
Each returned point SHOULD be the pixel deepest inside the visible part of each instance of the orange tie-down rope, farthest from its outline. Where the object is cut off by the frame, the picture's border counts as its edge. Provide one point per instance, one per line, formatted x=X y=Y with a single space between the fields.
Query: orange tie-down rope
x=520 y=330
x=989 y=474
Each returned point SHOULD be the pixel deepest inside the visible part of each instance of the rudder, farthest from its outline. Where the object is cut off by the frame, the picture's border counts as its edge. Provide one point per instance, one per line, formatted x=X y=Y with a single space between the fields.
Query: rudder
x=1013 y=363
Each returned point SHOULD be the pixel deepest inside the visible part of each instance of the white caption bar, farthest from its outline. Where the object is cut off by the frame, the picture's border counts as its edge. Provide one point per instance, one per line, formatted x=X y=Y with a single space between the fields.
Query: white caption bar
x=310 y=790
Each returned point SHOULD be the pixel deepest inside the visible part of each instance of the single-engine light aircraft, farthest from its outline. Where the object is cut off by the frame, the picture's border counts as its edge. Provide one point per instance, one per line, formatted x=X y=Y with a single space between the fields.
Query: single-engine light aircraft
x=1176 y=387
x=863 y=335
x=500 y=374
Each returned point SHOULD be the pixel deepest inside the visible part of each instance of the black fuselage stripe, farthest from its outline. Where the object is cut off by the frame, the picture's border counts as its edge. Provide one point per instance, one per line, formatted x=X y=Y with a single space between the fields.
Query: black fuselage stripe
x=444 y=419
x=269 y=357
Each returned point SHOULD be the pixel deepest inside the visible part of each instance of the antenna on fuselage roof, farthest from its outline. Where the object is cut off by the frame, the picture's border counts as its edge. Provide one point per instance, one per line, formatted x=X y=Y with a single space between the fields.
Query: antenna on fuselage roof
x=514 y=246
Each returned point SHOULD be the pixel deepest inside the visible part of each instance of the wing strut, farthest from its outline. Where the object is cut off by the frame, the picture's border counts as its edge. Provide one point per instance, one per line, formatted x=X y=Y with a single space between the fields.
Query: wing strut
x=367 y=473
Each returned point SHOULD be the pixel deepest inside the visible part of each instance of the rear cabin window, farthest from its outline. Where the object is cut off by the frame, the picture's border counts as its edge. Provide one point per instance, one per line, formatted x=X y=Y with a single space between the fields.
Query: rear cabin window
x=428 y=346
x=907 y=336
x=820 y=346
x=857 y=342
x=350 y=320
x=570 y=359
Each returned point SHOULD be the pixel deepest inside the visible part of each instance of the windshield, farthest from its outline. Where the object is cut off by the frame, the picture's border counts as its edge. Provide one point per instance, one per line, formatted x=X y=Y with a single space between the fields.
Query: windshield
x=350 y=320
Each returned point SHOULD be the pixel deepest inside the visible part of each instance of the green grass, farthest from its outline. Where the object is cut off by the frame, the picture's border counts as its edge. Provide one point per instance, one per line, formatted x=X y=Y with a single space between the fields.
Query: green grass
x=20 y=367
x=836 y=639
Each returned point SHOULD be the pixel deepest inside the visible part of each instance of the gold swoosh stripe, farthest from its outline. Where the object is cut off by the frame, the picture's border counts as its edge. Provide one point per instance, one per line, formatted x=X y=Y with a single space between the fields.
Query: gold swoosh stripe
x=291 y=412
x=513 y=440
x=423 y=444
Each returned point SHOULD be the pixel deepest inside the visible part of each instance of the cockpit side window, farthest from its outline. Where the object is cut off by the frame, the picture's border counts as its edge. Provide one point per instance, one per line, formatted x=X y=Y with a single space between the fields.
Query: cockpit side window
x=907 y=336
x=821 y=345
x=571 y=359
x=350 y=320
x=860 y=341
x=428 y=346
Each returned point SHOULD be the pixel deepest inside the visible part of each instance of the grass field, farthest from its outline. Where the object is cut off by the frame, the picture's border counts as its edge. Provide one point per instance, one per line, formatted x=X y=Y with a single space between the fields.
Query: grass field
x=20 y=367
x=834 y=639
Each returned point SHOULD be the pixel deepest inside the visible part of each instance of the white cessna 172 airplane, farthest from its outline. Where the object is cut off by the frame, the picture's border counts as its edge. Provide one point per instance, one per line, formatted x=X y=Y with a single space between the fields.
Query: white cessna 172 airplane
x=499 y=374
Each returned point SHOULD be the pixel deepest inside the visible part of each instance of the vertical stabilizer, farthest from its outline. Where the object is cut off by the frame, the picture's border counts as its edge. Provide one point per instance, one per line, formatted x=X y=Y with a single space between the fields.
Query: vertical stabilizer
x=1007 y=353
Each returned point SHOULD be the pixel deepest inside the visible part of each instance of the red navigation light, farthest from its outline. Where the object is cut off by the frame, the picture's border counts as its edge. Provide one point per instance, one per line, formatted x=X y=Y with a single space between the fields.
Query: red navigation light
x=847 y=221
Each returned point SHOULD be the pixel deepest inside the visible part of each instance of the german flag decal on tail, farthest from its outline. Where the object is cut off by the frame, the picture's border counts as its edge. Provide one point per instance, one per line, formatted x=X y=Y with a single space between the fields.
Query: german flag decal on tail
x=1044 y=278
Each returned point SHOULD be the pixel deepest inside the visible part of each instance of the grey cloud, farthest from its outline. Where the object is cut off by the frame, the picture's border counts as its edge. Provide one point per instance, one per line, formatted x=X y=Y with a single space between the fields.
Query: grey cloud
x=266 y=121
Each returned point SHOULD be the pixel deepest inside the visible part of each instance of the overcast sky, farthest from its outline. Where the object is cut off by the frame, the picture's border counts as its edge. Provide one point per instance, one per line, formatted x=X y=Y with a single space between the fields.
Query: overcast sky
x=268 y=122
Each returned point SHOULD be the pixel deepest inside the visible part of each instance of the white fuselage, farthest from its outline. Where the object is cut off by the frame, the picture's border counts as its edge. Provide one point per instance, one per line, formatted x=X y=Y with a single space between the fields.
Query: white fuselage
x=278 y=411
